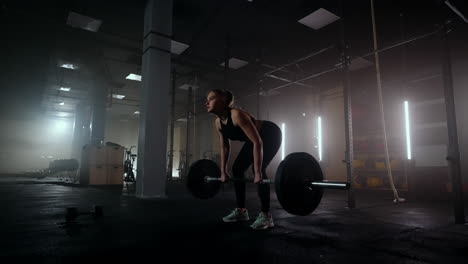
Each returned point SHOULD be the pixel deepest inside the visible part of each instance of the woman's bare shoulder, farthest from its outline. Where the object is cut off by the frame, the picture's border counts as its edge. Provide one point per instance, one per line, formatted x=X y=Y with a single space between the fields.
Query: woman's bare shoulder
x=239 y=115
x=238 y=112
x=218 y=123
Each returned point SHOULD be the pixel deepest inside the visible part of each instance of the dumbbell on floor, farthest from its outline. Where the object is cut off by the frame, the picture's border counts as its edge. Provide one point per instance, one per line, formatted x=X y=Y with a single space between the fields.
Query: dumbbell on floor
x=72 y=213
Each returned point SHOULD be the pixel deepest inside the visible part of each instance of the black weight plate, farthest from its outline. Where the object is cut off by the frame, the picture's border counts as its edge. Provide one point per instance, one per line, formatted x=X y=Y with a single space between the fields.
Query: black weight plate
x=196 y=179
x=292 y=183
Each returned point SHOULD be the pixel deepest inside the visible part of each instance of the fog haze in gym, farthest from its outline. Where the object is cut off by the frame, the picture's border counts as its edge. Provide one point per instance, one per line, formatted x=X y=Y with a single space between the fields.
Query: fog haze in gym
x=77 y=77
x=38 y=117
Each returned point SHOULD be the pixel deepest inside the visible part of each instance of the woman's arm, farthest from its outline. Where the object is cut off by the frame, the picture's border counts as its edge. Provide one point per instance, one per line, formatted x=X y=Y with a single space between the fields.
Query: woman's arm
x=242 y=119
x=225 y=148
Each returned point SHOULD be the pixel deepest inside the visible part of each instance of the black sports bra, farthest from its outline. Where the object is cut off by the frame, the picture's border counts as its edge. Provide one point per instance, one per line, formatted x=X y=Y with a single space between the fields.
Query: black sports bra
x=233 y=132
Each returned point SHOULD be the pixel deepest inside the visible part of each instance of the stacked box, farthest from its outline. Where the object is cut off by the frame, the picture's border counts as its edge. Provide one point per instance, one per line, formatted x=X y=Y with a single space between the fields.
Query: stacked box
x=115 y=174
x=102 y=165
x=97 y=175
x=115 y=167
x=115 y=155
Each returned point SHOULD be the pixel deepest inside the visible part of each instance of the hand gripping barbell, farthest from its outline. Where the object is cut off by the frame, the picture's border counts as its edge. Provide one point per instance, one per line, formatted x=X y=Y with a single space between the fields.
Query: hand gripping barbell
x=298 y=182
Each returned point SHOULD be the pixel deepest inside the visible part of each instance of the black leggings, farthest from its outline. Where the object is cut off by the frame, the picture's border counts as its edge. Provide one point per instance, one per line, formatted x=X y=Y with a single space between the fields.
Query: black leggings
x=271 y=137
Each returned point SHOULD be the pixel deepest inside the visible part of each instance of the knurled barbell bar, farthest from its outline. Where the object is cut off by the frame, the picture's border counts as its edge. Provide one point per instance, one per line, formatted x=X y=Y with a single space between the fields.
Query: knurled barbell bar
x=325 y=184
x=298 y=182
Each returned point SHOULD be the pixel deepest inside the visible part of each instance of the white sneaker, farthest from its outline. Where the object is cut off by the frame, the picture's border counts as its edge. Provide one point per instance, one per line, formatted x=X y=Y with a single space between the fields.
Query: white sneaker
x=263 y=221
x=237 y=215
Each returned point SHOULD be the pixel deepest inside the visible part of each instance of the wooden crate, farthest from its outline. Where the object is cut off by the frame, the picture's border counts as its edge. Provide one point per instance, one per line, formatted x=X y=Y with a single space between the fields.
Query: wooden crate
x=115 y=174
x=97 y=175
x=115 y=155
x=93 y=155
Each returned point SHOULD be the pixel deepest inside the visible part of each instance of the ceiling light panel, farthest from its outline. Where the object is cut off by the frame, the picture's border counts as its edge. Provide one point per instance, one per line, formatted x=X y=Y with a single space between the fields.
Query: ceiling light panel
x=186 y=86
x=319 y=19
x=177 y=47
x=118 y=96
x=84 y=22
x=235 y=63
x=134 y=77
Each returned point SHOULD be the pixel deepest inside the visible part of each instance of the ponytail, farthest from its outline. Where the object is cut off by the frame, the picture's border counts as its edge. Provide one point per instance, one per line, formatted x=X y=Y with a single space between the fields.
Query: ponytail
x=227 y=96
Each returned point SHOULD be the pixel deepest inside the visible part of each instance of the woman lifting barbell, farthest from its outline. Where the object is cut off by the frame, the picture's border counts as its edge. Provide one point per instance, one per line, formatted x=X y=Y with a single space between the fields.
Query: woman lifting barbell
x=262 y=140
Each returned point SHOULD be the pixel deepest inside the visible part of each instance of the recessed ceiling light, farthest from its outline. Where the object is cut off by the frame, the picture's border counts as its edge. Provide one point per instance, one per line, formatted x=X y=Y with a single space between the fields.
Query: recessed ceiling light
x=137 y=112
x=69 y=66
x=235 y=63
x=186 y=86
x=66 y=89
x=319 y=19
x=134 y=77
x=84 y=22
x=118 y=96
x=62 y=103
x=177 y=47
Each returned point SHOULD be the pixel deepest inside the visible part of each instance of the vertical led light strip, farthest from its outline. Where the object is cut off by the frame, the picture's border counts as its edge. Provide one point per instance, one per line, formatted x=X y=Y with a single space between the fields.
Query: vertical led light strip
x=283 y=129
x=319 y=137
x=407 y=127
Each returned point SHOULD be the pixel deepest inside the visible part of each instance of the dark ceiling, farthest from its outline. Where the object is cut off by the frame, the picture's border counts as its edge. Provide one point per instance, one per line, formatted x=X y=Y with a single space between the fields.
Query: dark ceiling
x=265 y=33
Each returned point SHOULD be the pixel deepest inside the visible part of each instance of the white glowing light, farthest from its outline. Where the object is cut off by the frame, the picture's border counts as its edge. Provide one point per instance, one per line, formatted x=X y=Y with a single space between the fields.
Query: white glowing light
x=63 y=114
x=118 y=96
x=137 y=112
x=175 y=173
x=134 y=77
x=407 y=127
x=283 y=129
x=319 y=137
x=68 y=66
x=329 y=184
x=65 y=89
x=60 y=125
x=62 y=103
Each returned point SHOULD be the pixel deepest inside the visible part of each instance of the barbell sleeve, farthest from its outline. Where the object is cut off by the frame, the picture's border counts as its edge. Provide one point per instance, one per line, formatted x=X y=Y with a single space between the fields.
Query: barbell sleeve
x=332 y=185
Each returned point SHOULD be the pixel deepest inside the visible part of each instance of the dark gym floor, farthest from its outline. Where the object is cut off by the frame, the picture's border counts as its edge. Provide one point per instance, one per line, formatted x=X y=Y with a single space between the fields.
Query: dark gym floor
x=182 y=228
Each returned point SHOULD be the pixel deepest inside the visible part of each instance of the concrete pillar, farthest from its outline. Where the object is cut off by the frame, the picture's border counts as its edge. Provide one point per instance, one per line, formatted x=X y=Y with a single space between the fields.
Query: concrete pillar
x=98 y=108
x=154 y=112
x=81 y=130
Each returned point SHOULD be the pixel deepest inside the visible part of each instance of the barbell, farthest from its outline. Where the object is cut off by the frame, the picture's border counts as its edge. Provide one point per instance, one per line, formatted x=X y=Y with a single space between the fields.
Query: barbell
x=298 y=182
x=326 y=184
